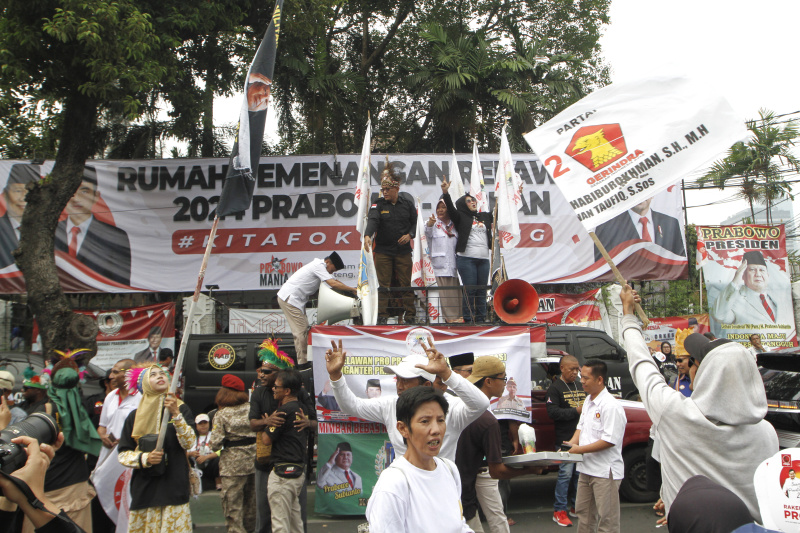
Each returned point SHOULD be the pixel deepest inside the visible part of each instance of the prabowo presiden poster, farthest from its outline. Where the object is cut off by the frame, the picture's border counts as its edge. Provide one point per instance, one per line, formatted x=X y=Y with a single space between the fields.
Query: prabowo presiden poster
x=747 y=276
x=362 y=447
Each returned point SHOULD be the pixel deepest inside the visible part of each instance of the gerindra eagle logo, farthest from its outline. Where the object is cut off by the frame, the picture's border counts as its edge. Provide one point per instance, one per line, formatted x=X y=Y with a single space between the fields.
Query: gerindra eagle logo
x=597 y=146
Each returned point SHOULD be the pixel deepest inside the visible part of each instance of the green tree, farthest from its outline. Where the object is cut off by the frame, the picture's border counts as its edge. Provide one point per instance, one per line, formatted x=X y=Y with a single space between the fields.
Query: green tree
x=83 y=58
x=432 y=74
x=758 y=165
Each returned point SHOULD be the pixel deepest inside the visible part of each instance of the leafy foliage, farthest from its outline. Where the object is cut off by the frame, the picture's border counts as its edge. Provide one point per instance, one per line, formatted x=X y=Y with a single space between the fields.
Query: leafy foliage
x=758 y=165
x=432 y=74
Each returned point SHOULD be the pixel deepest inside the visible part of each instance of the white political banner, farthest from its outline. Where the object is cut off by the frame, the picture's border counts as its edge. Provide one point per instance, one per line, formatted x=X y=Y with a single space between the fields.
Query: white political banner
x=624 y=143
x=370 y=350
x=476 y=184
x=508 y=196
x=422 y=274
x=112 y=481
x=361 y=197
x=158 y=214
x=367 y=287
x=777 y=485
x=456 y=190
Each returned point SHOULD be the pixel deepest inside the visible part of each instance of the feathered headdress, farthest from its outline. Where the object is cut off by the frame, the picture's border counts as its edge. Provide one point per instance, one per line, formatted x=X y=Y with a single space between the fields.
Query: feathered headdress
x=71 y=354
x=269 y=353
x=135 y=375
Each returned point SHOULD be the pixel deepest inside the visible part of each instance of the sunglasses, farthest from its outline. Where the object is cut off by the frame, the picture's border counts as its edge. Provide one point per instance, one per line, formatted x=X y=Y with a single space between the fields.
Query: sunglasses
x=266 y=371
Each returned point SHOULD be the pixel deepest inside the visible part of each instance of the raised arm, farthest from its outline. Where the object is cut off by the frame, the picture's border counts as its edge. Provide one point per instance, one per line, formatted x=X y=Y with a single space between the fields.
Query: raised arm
x=368 y=409
x=648 y=380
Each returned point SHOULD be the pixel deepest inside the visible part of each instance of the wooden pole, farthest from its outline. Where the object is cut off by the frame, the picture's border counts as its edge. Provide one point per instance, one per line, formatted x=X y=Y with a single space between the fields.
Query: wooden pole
x=189 y=315
x=617 y=274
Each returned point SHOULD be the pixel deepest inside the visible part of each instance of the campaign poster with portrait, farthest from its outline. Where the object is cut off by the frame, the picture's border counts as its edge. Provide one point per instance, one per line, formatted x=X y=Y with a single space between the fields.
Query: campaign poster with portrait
x=350 y=457
x=128 y=332
x=746 y=270
x=369 y=350
x=777 y=485
x=143 y=225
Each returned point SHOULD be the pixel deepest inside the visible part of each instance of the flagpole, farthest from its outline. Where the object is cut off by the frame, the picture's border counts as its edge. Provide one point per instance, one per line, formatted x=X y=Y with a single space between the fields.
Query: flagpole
x=186 y=330
x=617 y=274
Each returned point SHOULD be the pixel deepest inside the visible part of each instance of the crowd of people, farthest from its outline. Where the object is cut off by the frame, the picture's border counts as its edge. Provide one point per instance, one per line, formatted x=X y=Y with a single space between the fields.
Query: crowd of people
x=255 y=447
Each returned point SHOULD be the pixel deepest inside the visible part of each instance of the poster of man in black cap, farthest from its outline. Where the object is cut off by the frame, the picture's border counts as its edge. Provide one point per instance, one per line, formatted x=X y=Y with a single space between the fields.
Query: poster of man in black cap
x=749 y=291
x=336 y=475
x=294 y=295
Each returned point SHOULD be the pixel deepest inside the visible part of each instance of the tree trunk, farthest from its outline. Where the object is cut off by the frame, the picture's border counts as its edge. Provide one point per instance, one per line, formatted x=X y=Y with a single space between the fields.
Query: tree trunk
x=207 y=148
x=60 y=328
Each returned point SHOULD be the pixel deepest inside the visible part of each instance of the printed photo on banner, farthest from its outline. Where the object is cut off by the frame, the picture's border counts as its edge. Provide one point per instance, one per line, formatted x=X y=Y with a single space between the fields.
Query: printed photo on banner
x=371 y=350
x=746 y=270
x=160 y=212
x=777 y=486
x=351 y=456
x=144 y=333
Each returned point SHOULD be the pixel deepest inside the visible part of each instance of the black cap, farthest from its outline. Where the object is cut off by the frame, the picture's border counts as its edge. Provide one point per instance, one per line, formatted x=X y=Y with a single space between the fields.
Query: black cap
x=344 y=447
x=23 y=173
x=374 y=383
x=754 y=258
x=336 y=260
x=699 y=345
x=462 y=359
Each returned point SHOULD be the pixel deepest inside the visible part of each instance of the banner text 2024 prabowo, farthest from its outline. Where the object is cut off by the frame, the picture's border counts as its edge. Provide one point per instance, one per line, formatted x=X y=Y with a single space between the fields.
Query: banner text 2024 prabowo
x=749 y=289
x=148 y=223
x=369 y=350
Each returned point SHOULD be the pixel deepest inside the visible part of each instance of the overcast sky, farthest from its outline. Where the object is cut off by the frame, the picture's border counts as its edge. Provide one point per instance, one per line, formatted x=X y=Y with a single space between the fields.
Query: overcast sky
x=746 y=50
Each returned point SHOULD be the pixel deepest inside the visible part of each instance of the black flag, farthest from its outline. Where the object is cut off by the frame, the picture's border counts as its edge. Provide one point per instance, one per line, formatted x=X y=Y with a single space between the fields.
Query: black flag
x=237 y=192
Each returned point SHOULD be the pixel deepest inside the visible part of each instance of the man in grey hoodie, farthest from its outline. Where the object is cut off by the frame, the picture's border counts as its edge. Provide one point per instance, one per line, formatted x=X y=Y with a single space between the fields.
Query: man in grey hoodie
x=722 y=423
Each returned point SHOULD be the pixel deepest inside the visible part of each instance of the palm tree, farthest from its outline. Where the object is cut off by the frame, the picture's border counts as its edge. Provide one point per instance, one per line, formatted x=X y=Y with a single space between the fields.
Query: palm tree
x=757 y=166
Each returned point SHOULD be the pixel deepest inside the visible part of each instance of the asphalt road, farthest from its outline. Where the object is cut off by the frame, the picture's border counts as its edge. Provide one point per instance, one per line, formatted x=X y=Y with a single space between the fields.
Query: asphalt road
x=531 y=506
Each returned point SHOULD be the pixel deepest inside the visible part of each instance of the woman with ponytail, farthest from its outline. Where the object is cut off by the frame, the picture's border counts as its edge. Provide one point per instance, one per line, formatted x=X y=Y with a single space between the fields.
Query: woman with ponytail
x=160 y=489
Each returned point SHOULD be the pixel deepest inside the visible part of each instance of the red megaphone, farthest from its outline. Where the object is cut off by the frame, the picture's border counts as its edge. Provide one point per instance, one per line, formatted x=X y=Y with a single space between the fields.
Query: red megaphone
x=516 y=302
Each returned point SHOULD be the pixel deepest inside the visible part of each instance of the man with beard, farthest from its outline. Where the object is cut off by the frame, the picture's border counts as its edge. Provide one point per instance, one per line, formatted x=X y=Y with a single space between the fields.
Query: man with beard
x=264 y=415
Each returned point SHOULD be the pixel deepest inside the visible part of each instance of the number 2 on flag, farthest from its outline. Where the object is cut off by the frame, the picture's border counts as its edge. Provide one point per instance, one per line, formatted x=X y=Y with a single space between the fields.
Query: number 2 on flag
x=557 y=160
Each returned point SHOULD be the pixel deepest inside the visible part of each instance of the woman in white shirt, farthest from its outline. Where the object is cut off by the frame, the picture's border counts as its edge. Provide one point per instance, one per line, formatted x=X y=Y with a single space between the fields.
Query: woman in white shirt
x=442 y=237
x=419 y=491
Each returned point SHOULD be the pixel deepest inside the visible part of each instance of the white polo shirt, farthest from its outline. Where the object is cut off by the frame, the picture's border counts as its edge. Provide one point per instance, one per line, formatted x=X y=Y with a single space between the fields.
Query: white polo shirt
x=303 y=283
x=602 y=419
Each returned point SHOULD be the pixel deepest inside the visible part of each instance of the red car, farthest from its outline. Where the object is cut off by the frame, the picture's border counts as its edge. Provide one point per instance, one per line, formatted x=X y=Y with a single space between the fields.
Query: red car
x=637 y=433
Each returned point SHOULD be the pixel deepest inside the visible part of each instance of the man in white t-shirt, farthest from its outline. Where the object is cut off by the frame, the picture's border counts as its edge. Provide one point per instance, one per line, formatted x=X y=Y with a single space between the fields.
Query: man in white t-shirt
x=791 y=487
x=599 y=438
x=116 y=408
x=294 y=295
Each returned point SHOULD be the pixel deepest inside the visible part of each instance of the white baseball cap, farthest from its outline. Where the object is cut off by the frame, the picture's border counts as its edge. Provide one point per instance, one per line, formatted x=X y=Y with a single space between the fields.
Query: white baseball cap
x=7 y=380
x=407 y=368
x=202 y=417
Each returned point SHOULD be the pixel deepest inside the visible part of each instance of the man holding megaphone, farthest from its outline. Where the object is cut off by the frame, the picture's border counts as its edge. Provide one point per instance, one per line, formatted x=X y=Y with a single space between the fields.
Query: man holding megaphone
x=294 y=295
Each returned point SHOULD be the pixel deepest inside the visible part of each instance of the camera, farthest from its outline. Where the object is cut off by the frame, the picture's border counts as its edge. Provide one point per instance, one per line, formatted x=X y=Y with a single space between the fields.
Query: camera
x=39 y=426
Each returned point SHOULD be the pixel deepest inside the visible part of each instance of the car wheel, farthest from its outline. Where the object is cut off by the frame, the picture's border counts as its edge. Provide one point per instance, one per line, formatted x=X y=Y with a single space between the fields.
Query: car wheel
x=634 y=485
x=634 y=396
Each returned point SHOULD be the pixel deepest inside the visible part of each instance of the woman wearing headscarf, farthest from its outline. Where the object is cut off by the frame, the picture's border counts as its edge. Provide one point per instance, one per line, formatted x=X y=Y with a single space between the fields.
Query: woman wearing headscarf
x=441 y=234
x=473 y=246
x=66 y=482
x=160 y=489
x=233 y=435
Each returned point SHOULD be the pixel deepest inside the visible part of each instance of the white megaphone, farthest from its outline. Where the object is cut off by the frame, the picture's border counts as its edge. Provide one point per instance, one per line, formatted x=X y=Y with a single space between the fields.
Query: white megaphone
x=334 y=306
